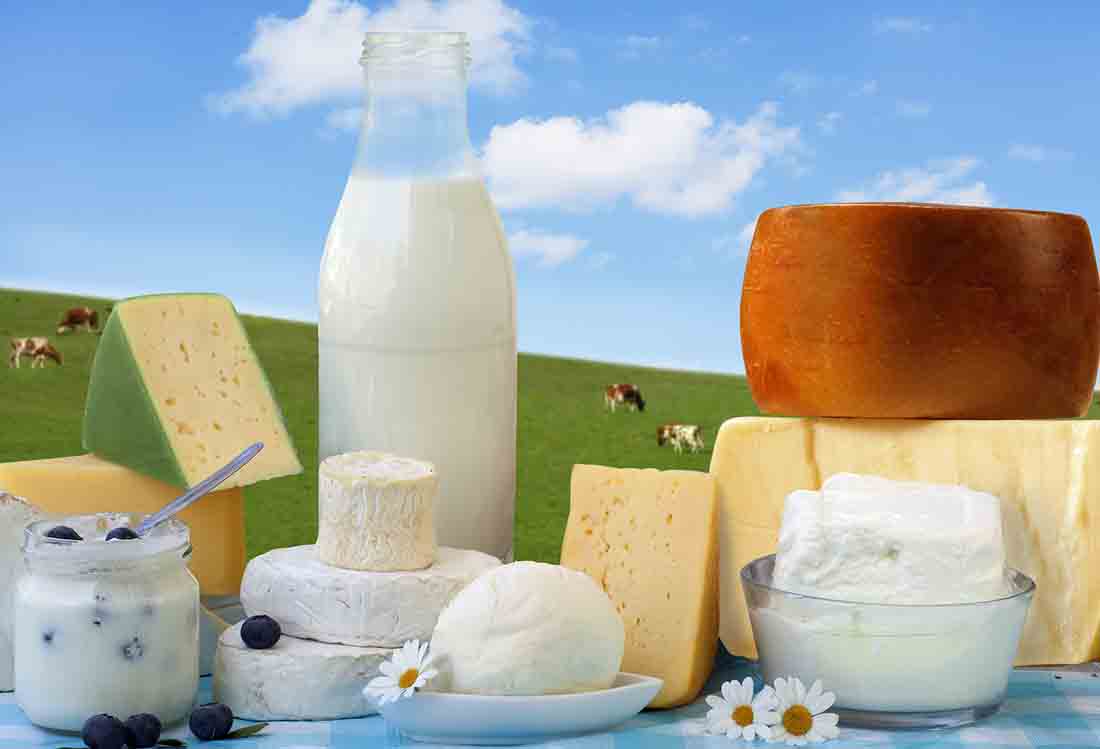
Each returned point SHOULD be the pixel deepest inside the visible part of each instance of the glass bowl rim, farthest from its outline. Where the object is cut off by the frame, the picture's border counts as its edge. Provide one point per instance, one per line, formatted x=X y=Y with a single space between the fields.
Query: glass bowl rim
x=1027 y=590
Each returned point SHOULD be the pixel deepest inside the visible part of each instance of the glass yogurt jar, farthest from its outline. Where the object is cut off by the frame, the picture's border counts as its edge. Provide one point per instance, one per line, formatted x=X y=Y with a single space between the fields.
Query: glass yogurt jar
x=105 y=626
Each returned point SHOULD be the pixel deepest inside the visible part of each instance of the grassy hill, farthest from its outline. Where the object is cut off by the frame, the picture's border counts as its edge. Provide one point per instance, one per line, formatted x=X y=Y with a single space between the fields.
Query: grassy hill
x=562 y=420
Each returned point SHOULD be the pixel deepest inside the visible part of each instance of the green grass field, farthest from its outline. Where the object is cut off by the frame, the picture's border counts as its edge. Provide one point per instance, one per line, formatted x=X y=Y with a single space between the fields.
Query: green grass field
x=562 y=420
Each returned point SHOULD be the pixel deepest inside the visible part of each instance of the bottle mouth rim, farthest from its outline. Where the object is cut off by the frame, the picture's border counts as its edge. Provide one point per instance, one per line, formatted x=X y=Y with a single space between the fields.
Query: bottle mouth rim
x=390 y=47
x=171 y=538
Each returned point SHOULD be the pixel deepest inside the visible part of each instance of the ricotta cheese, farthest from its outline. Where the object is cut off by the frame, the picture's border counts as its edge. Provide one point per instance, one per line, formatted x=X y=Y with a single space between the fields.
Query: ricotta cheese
x=294 y=680
x=528 y=628
x=15 y=515
x=382 y=609
x=375 y=512
x=873 y=540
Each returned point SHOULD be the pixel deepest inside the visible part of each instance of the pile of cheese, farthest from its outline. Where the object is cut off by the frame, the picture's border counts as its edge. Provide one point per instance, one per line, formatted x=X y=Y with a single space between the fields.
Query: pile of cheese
x=176 y=390
x=374 y=580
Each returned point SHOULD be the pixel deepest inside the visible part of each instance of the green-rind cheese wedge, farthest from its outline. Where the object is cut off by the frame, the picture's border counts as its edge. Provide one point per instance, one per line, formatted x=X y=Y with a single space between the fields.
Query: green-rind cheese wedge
x=176 y=391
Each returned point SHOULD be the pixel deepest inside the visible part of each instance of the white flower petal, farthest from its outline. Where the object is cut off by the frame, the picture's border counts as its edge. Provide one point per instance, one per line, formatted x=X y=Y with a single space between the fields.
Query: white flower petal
x=826 y=719
x=822 y=703
x=813 y=693
x=765 y=700
x=763 y=731
x=390 y=669
x=747 y=688
x=783 y=692
x=429 y=674
x=799 y=691
x=749 y=732
x=717 y=702
x=765 y=717
x=727 y=691
x=829 y=732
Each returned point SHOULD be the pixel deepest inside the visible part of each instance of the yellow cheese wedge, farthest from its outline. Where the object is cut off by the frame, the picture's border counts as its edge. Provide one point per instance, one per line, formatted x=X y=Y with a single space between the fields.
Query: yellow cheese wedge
x=1046 y=474
x=650 y=539
x=85 y=484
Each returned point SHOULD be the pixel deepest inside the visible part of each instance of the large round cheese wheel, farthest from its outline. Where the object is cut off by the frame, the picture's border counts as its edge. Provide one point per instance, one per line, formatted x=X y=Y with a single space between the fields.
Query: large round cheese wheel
x=920 y=311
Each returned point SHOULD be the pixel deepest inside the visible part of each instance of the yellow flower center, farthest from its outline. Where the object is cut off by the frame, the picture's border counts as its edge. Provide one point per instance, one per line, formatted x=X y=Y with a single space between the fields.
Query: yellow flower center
x=742 y=715
x=408 y=678
x=798 y=720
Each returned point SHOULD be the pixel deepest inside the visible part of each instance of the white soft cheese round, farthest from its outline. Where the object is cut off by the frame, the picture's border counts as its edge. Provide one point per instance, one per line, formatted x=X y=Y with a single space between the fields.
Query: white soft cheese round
x=528 y=628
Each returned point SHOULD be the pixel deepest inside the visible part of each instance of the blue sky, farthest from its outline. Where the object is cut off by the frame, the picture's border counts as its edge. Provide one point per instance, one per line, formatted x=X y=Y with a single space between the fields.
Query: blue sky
x=204 y=146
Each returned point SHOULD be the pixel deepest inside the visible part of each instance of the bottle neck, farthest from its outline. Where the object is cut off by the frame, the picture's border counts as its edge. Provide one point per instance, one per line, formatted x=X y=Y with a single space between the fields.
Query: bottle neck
x=414 y=123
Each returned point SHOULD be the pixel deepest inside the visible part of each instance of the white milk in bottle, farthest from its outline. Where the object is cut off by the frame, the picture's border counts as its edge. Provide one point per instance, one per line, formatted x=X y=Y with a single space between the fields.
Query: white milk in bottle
x=417 y=300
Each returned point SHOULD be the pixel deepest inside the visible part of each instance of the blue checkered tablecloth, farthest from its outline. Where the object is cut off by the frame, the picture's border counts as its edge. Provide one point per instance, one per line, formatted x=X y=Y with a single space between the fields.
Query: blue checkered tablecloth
x=1050 y=709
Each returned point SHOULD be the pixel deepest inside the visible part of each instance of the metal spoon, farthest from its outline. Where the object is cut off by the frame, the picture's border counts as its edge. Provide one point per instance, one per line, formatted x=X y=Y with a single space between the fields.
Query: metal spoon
x=199 y=489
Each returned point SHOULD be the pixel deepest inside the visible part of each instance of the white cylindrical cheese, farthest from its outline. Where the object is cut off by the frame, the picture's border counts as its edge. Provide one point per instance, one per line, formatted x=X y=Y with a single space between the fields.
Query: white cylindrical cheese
x=384 y=609
x=375 y=512
x=294 y=680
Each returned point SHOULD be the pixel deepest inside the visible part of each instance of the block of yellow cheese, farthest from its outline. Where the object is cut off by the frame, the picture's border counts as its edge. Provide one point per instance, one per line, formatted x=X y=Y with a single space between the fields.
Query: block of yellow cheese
x=1046 y=474
x=176 y=391
x=649 y=538
x=85 y=483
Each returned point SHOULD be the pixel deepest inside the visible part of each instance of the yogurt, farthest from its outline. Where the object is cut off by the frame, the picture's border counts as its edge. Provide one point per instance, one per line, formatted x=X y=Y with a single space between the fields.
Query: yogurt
x=106 y=626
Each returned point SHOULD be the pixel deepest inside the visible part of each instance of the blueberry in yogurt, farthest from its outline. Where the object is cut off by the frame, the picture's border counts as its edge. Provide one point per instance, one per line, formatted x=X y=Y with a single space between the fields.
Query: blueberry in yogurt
x=260 y=632
x=143 y=730
x=64 y=533
x=104 y=732
x=211 y=721
x=122 y=533
x=133 y=649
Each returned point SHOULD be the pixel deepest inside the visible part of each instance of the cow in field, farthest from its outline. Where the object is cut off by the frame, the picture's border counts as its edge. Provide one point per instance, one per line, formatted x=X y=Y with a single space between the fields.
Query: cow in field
x=78 y=317
x=623 y=395
x=38 y=350
x=681 y=437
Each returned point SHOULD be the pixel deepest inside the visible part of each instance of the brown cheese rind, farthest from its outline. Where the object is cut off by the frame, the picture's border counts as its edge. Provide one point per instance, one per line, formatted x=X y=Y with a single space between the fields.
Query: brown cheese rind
x=921 y=311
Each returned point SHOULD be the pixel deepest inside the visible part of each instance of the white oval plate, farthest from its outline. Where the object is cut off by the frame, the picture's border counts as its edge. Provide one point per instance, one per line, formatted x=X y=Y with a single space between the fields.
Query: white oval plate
x=447 y=718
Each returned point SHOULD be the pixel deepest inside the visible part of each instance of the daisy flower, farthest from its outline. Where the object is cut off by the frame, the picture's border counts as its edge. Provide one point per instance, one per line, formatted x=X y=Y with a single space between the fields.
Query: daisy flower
x=738 y=714
x=402 y=675
x=802 y=716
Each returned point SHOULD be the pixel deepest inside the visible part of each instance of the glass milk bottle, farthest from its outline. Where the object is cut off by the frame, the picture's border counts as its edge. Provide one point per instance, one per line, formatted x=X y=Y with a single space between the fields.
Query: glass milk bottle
x=417 y=326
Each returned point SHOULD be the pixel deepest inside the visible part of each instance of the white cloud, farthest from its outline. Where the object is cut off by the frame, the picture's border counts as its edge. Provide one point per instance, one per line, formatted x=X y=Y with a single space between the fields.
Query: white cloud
x=828 y=122
x=867 y=88
x=901 y=25
x=942 y=181
x=561 y=54
x=551 y=250
x=344 y=120
x=313 y=58
x=1031 y=152
x=912 y=108
x=669 y=158
x=798 y=82
x=736 y=245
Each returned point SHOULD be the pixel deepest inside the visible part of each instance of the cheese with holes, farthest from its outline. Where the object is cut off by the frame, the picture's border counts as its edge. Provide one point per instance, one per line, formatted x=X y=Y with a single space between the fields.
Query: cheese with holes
x=920 y=311
x=375 y=512
x=85 y=484
x=15 y=516
x=295 y=679
x=384 y=609
x=176 y=391
x=1046 y=475
x=650 y=539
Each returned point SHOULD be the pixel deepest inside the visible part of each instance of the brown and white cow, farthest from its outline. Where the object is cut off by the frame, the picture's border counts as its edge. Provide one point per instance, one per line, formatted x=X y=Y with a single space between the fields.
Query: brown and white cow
x=39 y=350
x=681 y=436
x=626 y=395
x=78 y=317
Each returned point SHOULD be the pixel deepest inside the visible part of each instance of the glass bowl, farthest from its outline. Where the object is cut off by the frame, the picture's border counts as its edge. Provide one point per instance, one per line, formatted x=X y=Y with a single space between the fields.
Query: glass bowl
x=890 y=665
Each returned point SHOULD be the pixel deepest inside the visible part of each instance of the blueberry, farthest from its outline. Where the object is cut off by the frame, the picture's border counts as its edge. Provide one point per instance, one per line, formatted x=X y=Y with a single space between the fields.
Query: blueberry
x=260 y=632
x=47 y=636
x=122 y=533
x=104 y=732
x=144 y=730
x=63 y=532
x=133 y=649
x=211 y=721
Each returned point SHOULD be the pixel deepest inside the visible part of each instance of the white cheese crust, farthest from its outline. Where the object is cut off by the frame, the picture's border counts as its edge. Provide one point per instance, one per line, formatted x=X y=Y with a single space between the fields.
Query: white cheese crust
x=15 y=515
x=375 y=512
x=294 y=680
x=381 y=609
x=528 y=628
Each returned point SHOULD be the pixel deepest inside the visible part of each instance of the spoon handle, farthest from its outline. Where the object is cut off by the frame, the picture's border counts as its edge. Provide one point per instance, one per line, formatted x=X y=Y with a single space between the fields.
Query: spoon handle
x=199 y=489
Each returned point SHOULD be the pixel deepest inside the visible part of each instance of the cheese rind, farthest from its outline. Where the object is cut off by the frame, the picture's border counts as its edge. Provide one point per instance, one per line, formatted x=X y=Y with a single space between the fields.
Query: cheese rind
x=85 y=484
x=375 y=512
x=1046 y=475
x=15 y=515
x=295 y=679
x=176 y=391
x=650 y=539
x=383 y=609
x=920 y=311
